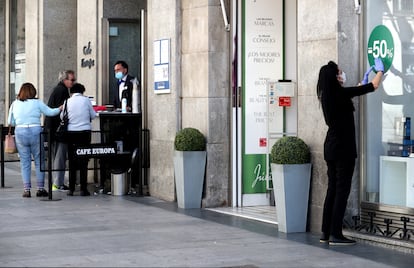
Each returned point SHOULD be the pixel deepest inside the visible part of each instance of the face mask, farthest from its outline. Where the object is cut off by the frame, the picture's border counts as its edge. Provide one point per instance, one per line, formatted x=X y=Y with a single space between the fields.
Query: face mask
x=342 y=77
x=119 y=75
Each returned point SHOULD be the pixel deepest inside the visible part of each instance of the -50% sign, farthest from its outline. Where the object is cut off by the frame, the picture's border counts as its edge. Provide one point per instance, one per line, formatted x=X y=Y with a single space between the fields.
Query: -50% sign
x=381 y=45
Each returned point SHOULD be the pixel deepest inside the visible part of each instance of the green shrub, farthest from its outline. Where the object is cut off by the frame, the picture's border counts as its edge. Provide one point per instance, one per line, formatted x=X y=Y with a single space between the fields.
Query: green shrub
x=290 y=150
x=189 y=139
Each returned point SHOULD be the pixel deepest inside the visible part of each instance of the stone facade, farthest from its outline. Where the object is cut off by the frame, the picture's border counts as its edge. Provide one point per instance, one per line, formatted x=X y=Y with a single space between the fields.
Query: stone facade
x=200 y=66
x=324 y=34
x=200 y=95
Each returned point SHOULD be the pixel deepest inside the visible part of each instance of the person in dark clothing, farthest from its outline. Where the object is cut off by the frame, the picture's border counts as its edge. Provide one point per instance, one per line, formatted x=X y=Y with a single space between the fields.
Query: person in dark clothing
x=59 y=95
x=80 y=113
x=124 y=85
x=340 y=143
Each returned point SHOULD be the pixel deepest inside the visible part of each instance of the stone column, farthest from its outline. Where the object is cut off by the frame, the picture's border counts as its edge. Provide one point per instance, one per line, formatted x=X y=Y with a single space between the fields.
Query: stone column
x=329 y=33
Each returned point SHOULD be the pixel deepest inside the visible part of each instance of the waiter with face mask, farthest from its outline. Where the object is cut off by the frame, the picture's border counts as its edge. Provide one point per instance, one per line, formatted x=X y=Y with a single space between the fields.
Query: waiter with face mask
x=123 y=88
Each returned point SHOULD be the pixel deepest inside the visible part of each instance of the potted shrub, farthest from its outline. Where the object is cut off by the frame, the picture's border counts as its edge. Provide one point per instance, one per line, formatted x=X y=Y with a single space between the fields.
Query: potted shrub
x=291 y=172
x=189 y=167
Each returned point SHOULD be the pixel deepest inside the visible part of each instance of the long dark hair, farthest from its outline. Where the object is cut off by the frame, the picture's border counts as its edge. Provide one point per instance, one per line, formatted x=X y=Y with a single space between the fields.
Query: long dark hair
x=327 y=78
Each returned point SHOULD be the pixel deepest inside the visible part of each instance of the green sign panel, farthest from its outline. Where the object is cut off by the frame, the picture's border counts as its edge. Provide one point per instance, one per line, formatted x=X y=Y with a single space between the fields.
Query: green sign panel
x=254 y=173
x=381 y=45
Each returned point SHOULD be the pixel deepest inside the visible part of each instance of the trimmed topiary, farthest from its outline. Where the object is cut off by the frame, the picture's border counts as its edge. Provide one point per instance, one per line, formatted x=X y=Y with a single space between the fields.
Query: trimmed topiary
x=290 y=150
x=190 y=139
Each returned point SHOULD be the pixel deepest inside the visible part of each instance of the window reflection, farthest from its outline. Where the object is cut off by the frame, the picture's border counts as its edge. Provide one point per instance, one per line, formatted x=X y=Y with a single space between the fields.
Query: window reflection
x=17 y=46
x=387 y=109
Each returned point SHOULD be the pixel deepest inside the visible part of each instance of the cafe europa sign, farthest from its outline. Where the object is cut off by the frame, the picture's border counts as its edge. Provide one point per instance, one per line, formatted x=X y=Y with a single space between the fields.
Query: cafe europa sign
x=95 y=150
x=87 y=51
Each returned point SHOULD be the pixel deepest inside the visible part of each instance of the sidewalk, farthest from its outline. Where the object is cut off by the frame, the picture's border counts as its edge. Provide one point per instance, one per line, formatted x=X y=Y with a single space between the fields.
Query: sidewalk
x=129 y=231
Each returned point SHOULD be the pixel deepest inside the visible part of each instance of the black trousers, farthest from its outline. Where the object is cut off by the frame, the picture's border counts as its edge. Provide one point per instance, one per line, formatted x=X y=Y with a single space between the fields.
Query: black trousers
x=78 y=138
x=339 y=186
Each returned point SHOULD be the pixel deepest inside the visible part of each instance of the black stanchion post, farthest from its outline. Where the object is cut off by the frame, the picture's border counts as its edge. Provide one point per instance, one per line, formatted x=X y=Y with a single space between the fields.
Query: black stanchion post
x=49 y=164
x=4 y=132
x=146 y=156
x=140 y=180
x=2 y=157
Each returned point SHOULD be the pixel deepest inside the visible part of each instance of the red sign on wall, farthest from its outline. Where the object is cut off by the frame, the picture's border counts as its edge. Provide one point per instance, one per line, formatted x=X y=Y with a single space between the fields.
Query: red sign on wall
x=262 y=142
x=284 y=101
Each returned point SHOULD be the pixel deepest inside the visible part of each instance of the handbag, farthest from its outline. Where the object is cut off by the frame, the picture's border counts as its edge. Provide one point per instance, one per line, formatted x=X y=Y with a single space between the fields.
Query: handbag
x=10 y=143
x=62 y=129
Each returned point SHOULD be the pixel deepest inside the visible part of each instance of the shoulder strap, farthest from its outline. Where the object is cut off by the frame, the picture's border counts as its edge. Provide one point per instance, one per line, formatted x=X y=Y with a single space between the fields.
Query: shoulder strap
x=11 y=113
x=65 y=109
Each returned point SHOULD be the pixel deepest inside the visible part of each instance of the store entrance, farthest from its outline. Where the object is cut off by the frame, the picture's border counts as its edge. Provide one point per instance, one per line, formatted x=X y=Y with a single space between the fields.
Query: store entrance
x=124 y=44
x=271 y=59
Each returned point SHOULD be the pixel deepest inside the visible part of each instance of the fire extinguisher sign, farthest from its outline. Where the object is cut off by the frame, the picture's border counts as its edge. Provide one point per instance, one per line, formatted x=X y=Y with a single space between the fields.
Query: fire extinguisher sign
x=284 y=101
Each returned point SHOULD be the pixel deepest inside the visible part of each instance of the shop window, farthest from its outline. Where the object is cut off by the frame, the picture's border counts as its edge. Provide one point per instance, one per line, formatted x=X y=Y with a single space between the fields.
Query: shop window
x=389 y=110
x=17 y=47
x=403 y=7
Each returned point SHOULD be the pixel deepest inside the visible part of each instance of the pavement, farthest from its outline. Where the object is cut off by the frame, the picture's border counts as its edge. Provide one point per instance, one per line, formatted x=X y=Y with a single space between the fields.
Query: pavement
x=135 y=231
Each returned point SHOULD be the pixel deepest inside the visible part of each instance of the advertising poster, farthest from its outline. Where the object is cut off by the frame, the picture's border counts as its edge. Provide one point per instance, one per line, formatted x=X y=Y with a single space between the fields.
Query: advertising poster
x=262 y=61
x=162 y=66
x=20 y=71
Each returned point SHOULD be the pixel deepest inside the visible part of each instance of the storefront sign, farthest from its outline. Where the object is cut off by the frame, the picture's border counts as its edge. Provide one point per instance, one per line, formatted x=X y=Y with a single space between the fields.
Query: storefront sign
x=381 y=45
x=162 y=66
x=284 y=101
x=87 y=50
x=97 y=150
x=262 y=61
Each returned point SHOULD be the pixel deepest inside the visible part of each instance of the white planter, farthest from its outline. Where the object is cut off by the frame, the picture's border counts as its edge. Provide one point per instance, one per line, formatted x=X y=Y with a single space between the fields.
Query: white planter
x=189 y=170
x=291 y=189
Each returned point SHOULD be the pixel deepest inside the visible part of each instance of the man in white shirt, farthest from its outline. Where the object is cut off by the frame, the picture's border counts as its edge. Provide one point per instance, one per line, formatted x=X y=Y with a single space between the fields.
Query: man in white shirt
x=123 y=88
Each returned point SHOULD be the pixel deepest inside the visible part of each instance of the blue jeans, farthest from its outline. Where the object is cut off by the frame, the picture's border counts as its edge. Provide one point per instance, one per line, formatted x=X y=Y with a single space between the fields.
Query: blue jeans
x=59 y=162
x=28 y=146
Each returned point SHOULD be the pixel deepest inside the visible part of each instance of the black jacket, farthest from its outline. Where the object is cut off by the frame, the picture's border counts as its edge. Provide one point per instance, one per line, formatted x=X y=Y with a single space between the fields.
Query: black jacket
x=338 y=111
x=126 y=93
x=59 y=94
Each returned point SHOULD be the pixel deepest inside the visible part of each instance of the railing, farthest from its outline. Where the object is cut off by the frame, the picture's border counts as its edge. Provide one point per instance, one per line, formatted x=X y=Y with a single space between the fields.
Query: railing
x=392 y=222
x=135 y=160
x=5 y=157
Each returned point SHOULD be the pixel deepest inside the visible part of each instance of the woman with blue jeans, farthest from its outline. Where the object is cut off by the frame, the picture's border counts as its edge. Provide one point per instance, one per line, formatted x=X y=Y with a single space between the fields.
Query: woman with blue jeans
x=24 y=114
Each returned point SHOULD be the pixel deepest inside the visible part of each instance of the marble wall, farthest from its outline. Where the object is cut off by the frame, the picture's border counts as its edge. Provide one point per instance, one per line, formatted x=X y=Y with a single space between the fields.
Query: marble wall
x=199 y=97
x=327 y=30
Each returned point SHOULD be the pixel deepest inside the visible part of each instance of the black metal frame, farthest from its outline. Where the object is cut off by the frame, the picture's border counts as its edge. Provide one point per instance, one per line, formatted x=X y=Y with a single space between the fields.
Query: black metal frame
x=142 y=162
x=383 y=220
x=4 y=131
x=114 y=159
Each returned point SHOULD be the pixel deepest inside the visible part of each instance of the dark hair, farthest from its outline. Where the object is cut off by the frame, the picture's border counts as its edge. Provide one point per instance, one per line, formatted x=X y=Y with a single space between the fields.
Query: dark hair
x=123 y=64
x=27 y=91
x=327 y=78
x=77 y=88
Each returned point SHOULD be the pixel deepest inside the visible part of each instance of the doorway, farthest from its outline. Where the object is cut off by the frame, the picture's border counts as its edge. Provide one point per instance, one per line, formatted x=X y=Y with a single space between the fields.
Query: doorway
x=124 y=44
x=265 y=46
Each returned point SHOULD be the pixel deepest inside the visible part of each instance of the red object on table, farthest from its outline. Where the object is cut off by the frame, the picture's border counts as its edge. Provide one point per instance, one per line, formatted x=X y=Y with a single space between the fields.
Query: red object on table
x=98 y=108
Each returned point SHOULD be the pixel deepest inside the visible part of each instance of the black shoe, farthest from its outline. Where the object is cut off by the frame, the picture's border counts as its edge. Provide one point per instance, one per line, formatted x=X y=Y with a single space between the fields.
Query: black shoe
x=69 y=193
x=340 y=241
x=324 y=238
x=26 y=194
x=42 y=193
x=64 y=188
x=85 y=193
